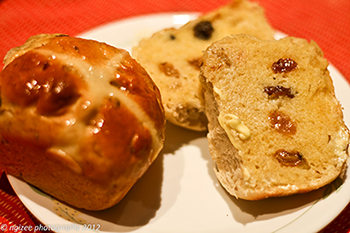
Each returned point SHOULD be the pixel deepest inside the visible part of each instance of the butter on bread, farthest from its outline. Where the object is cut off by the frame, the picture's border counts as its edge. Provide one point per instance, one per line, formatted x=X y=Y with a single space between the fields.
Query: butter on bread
x=172 y=57
x=79 y=119
x=275 y=125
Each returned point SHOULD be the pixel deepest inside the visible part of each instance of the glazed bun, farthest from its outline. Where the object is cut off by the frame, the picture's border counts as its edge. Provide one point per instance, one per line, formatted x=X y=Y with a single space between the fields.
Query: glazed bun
x=275 y=125
x=80 y=120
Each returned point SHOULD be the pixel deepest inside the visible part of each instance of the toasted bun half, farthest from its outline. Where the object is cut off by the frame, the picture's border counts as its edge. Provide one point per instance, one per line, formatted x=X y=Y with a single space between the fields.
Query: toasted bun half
x=275 y=125
x=172 y=57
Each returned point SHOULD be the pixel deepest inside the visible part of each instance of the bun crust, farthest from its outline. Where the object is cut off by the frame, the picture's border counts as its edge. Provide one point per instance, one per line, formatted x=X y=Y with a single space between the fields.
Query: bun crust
x=79 y=119
x=275 y=125
x=172 y=57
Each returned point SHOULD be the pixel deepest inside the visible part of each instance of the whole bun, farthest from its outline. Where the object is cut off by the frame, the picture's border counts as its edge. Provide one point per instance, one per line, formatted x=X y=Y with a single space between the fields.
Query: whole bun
x=79 y=119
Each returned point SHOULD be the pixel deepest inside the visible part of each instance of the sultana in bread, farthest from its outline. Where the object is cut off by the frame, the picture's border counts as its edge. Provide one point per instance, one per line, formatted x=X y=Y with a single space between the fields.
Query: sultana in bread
x=275 y=125
x=79 y=119
x=172 y=57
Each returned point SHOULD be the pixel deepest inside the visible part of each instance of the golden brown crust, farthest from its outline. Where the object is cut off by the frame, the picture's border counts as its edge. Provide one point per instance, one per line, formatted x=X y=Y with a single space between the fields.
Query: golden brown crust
x=78 y=115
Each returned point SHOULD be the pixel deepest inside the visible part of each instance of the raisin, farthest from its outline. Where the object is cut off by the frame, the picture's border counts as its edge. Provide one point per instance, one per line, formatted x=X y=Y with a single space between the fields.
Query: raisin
x=203 y=30
x=289 y=158
x=169 y=70
x=172 y=37
x=284 y=65
x=115 y=102
x=282 y=123
x=114 y=83
x=56 y=96
x=46 y=65
x=196 y=62
x=276 y=91
x=42 y=82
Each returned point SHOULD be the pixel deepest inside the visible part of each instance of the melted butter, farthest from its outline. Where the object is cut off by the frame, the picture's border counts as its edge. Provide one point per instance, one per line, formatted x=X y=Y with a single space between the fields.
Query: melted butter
x=219 y=93
x=98 y=79
x=246 y=174
x=341 y=143
x=233 y=122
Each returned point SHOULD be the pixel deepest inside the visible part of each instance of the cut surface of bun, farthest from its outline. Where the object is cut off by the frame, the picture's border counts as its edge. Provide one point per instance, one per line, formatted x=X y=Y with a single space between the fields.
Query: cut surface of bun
x=172 y=57
x=275 y=125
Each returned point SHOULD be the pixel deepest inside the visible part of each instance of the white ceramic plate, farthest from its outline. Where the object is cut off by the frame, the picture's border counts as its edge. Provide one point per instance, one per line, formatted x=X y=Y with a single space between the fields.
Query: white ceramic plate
x=180 y=193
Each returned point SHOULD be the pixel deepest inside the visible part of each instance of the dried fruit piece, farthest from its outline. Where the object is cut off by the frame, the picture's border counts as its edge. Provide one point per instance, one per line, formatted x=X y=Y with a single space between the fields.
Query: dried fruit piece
x=284 y=65
x=289 y=158
x=56 y=96
x=282 y=123
x=169 y=70
x=203 y=30
x=42 y=82
x=196 y=62
x=276 y=91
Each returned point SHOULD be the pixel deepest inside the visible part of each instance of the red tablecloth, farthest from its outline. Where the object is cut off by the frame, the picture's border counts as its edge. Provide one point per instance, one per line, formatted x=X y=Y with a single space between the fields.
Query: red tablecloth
x=325 y=21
